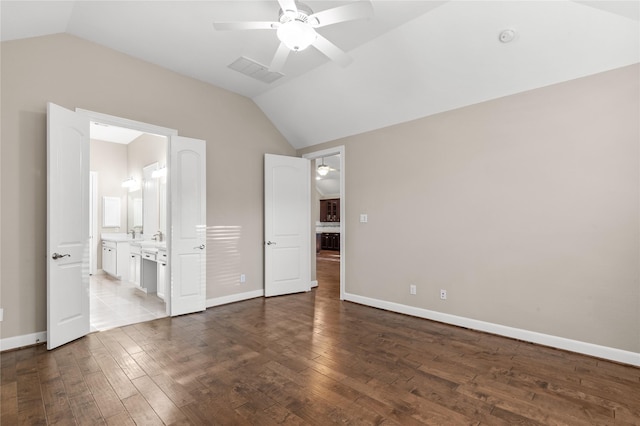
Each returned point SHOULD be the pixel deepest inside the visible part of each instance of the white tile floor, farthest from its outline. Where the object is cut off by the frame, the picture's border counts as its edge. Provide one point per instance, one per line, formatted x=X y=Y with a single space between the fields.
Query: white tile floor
x=115 y=303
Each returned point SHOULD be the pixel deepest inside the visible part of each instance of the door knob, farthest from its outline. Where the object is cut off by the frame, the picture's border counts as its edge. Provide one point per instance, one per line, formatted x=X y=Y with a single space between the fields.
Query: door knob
x=271 y=243
x=56 y=256
x=201 y=247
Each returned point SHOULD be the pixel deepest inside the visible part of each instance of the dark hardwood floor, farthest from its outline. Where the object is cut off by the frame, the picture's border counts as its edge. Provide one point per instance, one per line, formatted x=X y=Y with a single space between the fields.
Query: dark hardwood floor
x=310 y=359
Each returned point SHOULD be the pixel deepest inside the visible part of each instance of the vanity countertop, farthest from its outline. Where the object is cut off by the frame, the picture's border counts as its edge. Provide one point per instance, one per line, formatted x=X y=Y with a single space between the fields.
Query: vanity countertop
x=160 y=245
x=116 y=236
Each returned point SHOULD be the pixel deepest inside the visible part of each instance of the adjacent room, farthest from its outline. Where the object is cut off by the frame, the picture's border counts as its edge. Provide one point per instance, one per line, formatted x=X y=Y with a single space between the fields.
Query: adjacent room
x=360 y=212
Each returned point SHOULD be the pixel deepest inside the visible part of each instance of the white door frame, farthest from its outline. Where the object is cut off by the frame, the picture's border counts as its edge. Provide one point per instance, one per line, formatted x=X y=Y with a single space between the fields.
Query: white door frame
x=338 y=150
x=145 y=128
x=93 y=221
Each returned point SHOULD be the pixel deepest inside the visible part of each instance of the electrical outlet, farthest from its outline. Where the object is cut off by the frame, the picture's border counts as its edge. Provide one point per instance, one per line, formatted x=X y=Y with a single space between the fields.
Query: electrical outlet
x=412 y=289
x=243 y=278
x=443 y=294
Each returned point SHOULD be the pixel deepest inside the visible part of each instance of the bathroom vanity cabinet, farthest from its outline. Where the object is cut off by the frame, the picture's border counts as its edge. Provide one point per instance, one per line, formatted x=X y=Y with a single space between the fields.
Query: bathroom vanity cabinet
x=161 y=261
x=147 y=265
x=135 y=264
x=109 y=257
x=143 y=263
x=115 y=259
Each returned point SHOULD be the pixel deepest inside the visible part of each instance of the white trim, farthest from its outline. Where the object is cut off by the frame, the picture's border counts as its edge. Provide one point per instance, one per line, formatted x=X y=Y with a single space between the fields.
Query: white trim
x=93 y=222
x=217 y=301
x=125 y=122
x=314 y=283
x=338 y=150
x=584 y=348
x=23 y=341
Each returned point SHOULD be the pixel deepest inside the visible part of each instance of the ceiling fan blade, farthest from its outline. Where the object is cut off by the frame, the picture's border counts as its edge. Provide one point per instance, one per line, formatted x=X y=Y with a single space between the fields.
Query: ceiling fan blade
x=332 y=51
x=277 y=63
x=348 y=12
x=288 y=5
x=223 y=26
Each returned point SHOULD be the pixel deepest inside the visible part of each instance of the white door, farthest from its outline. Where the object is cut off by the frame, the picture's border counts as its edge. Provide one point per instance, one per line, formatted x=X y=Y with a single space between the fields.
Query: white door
x=287 y=227
x=68 y=248
x=187 y=236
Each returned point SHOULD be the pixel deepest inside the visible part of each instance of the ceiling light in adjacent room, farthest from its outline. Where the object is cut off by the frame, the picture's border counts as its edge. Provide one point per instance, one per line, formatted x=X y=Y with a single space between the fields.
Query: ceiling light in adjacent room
x=323 y=169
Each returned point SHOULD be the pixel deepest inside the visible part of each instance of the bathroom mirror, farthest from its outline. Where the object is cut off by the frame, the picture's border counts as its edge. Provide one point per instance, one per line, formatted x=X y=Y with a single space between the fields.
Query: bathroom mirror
x=110 y=212
x=150 y=196
x=163 y=204
x=134 y=211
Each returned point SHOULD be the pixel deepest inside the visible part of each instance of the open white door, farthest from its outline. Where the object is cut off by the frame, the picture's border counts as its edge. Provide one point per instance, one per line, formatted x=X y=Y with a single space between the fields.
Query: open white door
x=187 y=238
x=287 y=206
x=67 y=226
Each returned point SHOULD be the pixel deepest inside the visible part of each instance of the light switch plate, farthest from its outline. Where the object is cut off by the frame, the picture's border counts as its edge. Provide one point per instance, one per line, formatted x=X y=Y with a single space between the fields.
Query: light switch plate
x=1 y=314
x=363 y=218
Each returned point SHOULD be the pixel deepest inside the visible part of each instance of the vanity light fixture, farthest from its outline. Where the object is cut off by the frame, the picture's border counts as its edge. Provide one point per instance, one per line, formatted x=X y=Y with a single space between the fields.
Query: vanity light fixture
x=158 y=173
x=323 y=169
x=129 y=183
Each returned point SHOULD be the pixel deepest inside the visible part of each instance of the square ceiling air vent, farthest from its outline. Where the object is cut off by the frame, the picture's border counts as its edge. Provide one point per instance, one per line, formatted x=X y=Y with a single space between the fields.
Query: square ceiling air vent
x=255 y=70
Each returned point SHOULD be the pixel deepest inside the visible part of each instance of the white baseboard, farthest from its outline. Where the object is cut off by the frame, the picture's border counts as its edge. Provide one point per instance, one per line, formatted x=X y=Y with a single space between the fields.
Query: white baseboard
x=217 y=301
x=22 y=341
x=585 y=348
x=314 y=283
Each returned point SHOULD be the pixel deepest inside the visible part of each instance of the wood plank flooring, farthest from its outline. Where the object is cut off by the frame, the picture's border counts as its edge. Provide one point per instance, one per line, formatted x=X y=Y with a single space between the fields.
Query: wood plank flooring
x=310 y=359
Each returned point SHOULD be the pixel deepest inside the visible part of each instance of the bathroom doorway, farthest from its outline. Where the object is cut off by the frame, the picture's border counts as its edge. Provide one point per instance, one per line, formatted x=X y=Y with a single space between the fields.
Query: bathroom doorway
x=128 y=169
x=68 y=251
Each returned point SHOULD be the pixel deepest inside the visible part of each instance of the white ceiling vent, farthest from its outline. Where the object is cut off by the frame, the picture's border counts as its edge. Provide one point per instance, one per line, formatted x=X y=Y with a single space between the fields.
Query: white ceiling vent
x=255 y=70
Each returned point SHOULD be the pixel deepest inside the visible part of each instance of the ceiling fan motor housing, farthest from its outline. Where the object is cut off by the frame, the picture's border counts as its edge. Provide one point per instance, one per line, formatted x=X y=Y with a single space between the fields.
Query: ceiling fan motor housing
x=302 y=14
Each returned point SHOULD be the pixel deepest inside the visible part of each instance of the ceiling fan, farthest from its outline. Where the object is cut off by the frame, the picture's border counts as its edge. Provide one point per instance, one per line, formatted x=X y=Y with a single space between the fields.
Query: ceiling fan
x=324 y=169
x=296 y=29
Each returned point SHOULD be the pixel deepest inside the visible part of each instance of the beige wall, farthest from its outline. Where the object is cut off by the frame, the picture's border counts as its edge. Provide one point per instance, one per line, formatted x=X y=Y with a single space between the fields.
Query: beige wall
x=525 y=209
x=145 y=150
x=109 y=161
x=75 y=73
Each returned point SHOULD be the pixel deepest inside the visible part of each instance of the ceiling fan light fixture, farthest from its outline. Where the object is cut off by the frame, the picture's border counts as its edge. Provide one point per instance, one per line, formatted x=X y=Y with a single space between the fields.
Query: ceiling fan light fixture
x=296 y=35
x=323 y=169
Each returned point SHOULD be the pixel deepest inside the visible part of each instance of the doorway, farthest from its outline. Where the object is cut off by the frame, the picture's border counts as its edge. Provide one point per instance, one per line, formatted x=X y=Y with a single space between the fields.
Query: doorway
x=129 y=168
x=68 y=228
x=328 y=219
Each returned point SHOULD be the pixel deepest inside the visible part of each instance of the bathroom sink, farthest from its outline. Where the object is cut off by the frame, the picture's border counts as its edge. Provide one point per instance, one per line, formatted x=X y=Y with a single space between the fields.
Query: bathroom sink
x=150 y=243
x=115 y=237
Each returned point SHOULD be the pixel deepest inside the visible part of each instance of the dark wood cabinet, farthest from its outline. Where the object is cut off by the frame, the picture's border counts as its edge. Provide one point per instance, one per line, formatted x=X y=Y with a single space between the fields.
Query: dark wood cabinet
x=330 y=241
x=330 y=210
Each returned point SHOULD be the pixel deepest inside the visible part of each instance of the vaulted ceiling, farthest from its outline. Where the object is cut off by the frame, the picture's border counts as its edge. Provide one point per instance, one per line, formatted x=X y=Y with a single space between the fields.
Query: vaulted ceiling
x=410 y=60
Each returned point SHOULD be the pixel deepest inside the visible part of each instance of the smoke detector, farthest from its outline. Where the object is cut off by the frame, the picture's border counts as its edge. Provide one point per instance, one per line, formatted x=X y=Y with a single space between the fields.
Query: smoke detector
x=507 y=36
